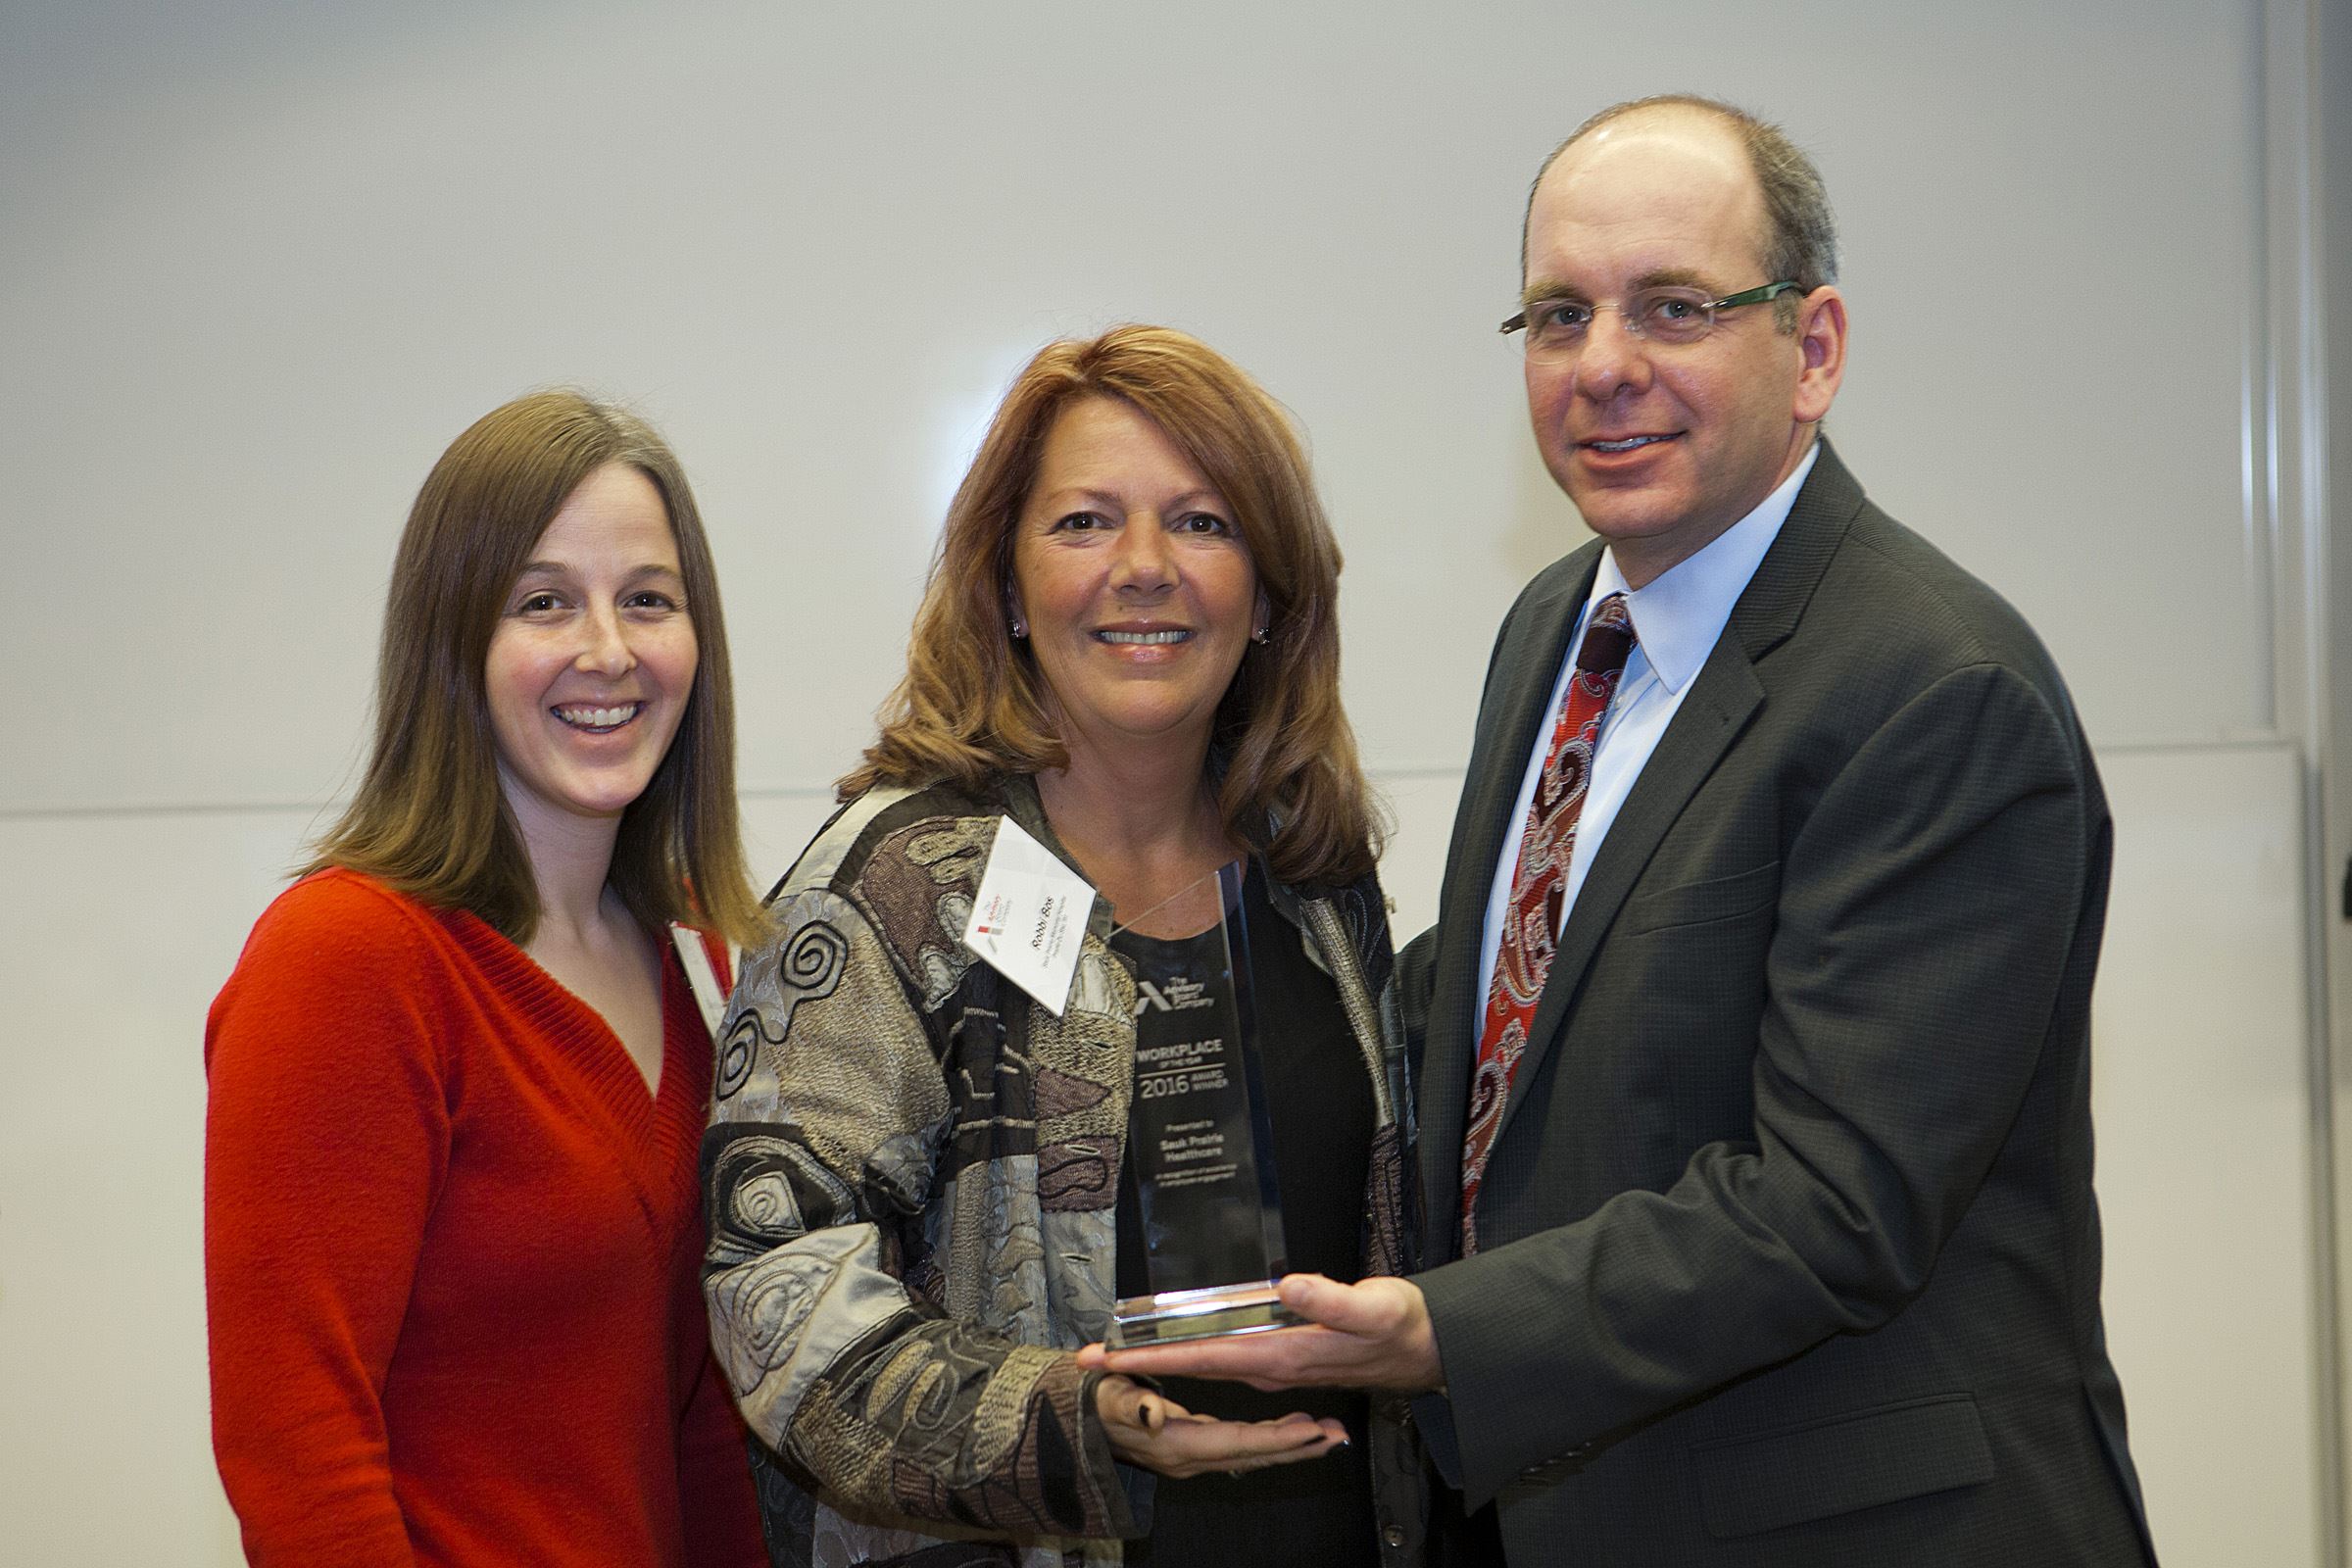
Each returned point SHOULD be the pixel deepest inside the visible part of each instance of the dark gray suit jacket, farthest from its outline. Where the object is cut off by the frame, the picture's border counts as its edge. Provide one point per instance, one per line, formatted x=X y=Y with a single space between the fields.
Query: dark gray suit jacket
x=1788 y=1249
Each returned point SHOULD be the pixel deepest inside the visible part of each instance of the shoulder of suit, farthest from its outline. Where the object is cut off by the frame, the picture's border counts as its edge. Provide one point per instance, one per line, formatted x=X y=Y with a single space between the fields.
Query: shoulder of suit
x=1889 y=584
x=1562 y=578
x=1556 y=586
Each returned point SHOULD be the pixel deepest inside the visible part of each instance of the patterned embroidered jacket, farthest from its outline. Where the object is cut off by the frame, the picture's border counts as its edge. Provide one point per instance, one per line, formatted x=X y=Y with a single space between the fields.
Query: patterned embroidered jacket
x=913 y=1174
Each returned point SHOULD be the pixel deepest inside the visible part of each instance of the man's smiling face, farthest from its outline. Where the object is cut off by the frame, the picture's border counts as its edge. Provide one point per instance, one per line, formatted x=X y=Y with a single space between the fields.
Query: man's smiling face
x=1662 y=447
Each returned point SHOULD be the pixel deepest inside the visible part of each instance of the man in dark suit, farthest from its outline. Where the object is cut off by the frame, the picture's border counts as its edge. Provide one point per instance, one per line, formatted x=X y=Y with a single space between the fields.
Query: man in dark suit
x=1755 y=1143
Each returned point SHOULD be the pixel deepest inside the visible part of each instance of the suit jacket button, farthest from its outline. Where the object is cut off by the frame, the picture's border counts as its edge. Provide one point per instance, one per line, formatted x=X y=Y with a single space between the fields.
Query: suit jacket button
x=1394 y=1534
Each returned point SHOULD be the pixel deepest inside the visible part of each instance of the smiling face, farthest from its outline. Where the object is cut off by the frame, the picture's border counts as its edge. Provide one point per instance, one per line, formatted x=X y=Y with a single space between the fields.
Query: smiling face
x=593 y=658
x=1663 y=447
x=1132 y=575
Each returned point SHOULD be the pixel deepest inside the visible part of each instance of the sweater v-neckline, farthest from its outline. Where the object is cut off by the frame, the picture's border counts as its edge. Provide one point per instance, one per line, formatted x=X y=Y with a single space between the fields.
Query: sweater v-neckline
x=596 y=1025
x=644 y=1112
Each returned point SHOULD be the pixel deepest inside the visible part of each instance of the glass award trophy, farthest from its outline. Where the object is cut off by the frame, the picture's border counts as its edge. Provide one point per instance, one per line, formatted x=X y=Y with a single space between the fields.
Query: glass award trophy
x=1199 y=1139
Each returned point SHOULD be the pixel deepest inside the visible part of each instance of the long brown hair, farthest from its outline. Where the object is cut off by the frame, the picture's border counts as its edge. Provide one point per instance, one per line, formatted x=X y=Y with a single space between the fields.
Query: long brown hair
x=974 y=703
x=430 y=817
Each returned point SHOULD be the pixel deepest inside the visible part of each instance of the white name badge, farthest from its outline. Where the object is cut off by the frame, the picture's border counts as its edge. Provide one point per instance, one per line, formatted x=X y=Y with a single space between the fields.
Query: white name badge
x=1029 y=916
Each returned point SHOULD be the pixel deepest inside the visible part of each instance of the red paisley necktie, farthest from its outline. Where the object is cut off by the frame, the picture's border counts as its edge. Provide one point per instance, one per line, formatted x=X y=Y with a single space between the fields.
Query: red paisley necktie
x=1531 y=920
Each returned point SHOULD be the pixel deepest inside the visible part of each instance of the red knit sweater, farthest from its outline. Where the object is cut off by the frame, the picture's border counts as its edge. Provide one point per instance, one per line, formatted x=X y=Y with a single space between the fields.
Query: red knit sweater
x=451 y=1245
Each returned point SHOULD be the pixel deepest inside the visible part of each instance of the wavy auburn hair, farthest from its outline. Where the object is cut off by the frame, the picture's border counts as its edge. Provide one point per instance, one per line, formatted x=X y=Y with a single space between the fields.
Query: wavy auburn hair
x=431 y=818
x=974 y=703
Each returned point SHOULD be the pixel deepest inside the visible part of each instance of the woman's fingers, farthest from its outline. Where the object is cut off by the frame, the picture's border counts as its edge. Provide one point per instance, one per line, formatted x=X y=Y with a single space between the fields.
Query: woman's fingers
x=1329 y=1435
x=1189 y=1444
x=1123 y=1403
x=1240 y=1447
x=1147 y=1428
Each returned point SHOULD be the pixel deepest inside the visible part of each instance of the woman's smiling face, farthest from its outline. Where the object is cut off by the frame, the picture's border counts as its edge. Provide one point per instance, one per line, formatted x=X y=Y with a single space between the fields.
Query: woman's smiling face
x=593 y=658
x=1132 y=574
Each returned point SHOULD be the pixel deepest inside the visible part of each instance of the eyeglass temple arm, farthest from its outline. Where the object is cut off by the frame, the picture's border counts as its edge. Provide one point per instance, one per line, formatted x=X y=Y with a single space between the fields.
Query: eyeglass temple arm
x=1753 y=296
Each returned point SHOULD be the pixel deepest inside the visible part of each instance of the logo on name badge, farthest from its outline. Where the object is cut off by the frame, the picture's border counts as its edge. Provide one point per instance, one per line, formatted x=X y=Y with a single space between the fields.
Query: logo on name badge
x=988 y=920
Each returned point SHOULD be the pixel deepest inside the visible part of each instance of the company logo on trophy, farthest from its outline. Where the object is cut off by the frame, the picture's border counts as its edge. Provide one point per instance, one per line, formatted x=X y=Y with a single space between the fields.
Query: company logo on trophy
x=1202 y=1152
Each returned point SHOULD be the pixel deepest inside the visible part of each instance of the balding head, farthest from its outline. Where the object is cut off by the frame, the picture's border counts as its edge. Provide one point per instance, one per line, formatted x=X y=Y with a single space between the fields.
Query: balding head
x=1798 y=240
x=1665 y=439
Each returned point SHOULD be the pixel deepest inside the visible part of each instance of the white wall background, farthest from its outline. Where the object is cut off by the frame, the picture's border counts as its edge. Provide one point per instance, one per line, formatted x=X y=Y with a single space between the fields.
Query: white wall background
x=260 y=261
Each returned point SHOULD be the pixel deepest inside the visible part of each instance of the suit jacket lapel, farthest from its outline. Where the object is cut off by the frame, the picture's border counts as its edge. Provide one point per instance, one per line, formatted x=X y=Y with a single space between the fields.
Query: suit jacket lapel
x=1724 y=697
x=1517 y=704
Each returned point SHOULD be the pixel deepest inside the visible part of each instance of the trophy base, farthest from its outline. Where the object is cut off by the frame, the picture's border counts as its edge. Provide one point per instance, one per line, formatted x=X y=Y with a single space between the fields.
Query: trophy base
x=1212 y=1312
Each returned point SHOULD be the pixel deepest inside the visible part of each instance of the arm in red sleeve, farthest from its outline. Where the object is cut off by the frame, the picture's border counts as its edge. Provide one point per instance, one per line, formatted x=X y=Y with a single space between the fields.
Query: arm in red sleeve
x=326 y=1136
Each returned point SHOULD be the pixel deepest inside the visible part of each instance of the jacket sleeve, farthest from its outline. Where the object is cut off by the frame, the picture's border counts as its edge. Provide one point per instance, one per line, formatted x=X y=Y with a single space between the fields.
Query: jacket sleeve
x=1926 y=912
x=831 y=1107
x=325 y=1140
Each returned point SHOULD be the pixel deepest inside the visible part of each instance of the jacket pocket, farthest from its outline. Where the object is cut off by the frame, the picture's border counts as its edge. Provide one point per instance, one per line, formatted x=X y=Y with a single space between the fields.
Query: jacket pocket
x=1753 y=1484
x=1723 y=898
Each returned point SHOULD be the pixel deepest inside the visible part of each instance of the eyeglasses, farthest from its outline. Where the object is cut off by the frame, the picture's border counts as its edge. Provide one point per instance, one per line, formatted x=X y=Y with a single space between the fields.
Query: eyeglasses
x=1557 y=327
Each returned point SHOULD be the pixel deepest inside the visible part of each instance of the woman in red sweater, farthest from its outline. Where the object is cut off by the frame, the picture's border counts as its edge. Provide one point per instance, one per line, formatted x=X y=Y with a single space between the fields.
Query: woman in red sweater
x=458 y=1080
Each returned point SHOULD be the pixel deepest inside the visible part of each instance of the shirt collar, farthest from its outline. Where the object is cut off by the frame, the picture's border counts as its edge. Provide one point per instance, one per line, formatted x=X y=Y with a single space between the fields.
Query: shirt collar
x=1678 y=616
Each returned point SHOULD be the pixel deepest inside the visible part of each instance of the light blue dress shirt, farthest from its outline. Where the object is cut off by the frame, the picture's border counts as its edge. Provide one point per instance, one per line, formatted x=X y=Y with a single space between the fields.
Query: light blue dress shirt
x=1677 y=619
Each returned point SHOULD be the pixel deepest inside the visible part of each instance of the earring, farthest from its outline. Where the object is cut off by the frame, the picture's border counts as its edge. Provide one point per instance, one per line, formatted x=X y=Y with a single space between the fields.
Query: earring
x=1020 y=628
x=1261 y=637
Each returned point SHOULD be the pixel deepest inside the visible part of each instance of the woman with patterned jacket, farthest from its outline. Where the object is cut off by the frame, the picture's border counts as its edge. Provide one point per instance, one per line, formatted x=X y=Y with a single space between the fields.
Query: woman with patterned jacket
x=919 y=1201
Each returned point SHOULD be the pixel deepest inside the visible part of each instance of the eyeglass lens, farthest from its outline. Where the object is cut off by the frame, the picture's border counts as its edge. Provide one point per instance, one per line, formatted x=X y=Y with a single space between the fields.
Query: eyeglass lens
x=1661 y=315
